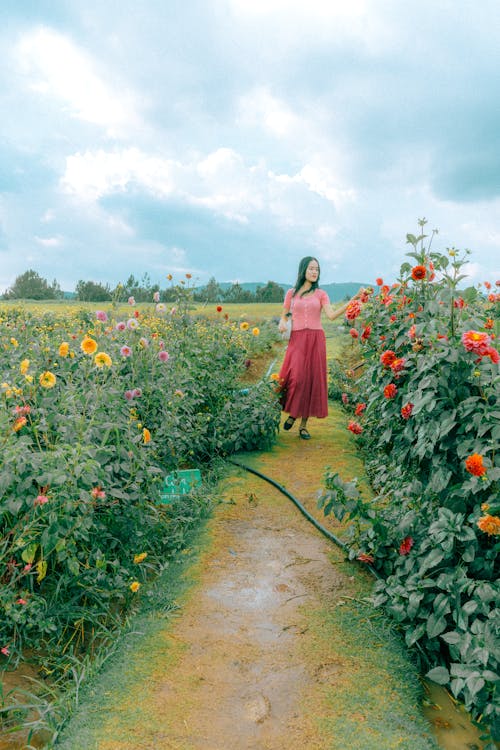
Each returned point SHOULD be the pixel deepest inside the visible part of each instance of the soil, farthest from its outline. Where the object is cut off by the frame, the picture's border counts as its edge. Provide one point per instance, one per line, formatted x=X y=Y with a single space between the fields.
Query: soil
x=243 y=681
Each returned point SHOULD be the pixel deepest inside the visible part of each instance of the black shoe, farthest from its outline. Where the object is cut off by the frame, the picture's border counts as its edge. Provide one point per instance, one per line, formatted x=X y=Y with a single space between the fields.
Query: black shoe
x=304 y=434
x=289 y=423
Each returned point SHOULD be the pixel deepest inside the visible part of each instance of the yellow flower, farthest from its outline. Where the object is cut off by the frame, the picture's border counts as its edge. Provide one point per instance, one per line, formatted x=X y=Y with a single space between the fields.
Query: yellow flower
x=452 y=253
x=102 y=359
x=14 y=342
x=275 y=376
x=256 y=331
x=64 y=349
x=23 y=367
x=146 y=436
x=29 y=378
x=139 y=558
x=244 y=326
x=19 y=423
x=135 y=586
x=47 y=379
x=88 y=345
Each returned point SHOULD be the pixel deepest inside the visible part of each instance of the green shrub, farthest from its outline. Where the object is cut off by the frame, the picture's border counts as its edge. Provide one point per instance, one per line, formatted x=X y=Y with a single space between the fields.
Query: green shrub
x=429 y=426
x=94 y=412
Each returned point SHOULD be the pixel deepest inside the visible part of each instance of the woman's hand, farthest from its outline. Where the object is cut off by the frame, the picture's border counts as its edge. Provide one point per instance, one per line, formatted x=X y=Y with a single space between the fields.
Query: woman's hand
x=282 y=325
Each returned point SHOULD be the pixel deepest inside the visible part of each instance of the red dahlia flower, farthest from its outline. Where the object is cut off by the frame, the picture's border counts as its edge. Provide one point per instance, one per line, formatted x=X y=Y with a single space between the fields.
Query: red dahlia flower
x=365 y=557
x=493 y=355
x=355 y=428
x=406 y=545
x=359 y=409
x=477 y=342
x=390 y=390
x=387 y=358
x=406 y=410
x=418 y=273
x=398 y=365
x=353 y=309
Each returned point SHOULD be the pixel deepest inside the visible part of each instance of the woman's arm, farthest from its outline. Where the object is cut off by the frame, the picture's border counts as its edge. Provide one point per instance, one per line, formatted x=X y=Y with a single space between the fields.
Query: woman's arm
x=285 y=314
x=284 y=317
x=333 y=313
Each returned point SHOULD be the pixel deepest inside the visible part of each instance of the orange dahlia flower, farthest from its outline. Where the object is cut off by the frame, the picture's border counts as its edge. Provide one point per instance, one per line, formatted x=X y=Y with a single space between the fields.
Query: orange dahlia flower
x=474 y=465
x=88 y=345
x=489 y=524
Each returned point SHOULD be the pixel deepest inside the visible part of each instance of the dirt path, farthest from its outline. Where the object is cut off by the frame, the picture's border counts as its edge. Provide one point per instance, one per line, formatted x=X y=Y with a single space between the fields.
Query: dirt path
x=250 y=662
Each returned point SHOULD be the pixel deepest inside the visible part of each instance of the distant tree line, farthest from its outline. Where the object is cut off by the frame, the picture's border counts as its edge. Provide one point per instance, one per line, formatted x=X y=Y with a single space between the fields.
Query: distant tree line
x=30 y=285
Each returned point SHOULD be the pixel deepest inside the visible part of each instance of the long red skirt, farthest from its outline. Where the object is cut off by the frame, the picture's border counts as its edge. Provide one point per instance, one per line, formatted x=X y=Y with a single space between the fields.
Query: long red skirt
x=303 y=375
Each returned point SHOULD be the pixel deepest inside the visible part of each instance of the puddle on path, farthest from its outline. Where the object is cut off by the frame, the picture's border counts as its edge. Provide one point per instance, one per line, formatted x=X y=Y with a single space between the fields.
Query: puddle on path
x=452 y=725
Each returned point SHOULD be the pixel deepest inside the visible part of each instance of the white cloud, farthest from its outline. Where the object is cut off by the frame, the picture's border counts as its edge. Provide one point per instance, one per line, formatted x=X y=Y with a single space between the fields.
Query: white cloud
x=49 y=241
x=301 y=22
x=94 y=174
x=259 y=108
x=55 y=67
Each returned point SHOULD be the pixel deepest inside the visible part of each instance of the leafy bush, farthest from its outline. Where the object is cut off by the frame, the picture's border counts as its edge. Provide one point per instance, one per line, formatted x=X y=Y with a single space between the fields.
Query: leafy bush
x=95 y=409
x=427 y=415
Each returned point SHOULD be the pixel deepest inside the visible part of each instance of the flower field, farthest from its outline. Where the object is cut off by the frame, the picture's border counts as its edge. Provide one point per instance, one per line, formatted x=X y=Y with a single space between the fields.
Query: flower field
x=424 y=407
x=96 y=408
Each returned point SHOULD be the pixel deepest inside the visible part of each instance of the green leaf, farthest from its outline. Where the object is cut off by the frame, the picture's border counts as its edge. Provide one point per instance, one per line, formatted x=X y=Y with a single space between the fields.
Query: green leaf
x=435 y=625
x=28 y=554
x=440 y=675
x=452 y=637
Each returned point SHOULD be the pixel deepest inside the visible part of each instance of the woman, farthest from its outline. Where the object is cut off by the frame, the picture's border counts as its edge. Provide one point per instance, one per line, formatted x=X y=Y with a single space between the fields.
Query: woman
x=303 y=375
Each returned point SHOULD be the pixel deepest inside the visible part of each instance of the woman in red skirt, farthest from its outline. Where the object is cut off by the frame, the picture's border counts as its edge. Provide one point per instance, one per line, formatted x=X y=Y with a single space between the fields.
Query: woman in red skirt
x=303 y=375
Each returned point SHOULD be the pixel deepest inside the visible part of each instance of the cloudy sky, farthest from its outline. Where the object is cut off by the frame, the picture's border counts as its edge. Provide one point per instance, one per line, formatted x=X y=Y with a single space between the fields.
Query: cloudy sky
x=229 y=138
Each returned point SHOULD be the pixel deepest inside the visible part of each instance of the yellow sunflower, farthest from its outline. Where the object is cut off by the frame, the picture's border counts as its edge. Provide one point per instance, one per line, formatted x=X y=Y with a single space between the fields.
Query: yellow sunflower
x=47 y=379
x=102 y=359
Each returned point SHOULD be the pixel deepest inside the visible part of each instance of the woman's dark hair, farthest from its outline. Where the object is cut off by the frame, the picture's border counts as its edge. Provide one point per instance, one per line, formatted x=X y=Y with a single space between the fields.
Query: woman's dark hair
x=301 y=275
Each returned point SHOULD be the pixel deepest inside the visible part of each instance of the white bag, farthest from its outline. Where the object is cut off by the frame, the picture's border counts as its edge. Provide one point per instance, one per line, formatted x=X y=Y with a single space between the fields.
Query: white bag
x=285 y=335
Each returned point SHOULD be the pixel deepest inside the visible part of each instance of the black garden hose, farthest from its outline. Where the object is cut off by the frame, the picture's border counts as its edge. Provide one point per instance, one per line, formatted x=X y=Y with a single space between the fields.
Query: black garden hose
x=302 y=509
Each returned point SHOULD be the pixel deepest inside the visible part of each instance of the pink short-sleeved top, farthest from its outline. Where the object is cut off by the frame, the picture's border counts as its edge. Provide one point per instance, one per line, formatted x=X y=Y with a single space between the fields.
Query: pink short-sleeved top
x=306 y=311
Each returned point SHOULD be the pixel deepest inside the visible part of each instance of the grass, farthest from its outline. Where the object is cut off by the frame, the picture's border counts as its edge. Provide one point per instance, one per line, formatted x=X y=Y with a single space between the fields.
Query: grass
x=141 y=647
x=375 y=700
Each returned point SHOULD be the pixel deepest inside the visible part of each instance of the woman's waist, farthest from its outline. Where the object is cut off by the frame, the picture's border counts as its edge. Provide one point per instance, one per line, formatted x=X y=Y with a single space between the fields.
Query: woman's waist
x=309 y=327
